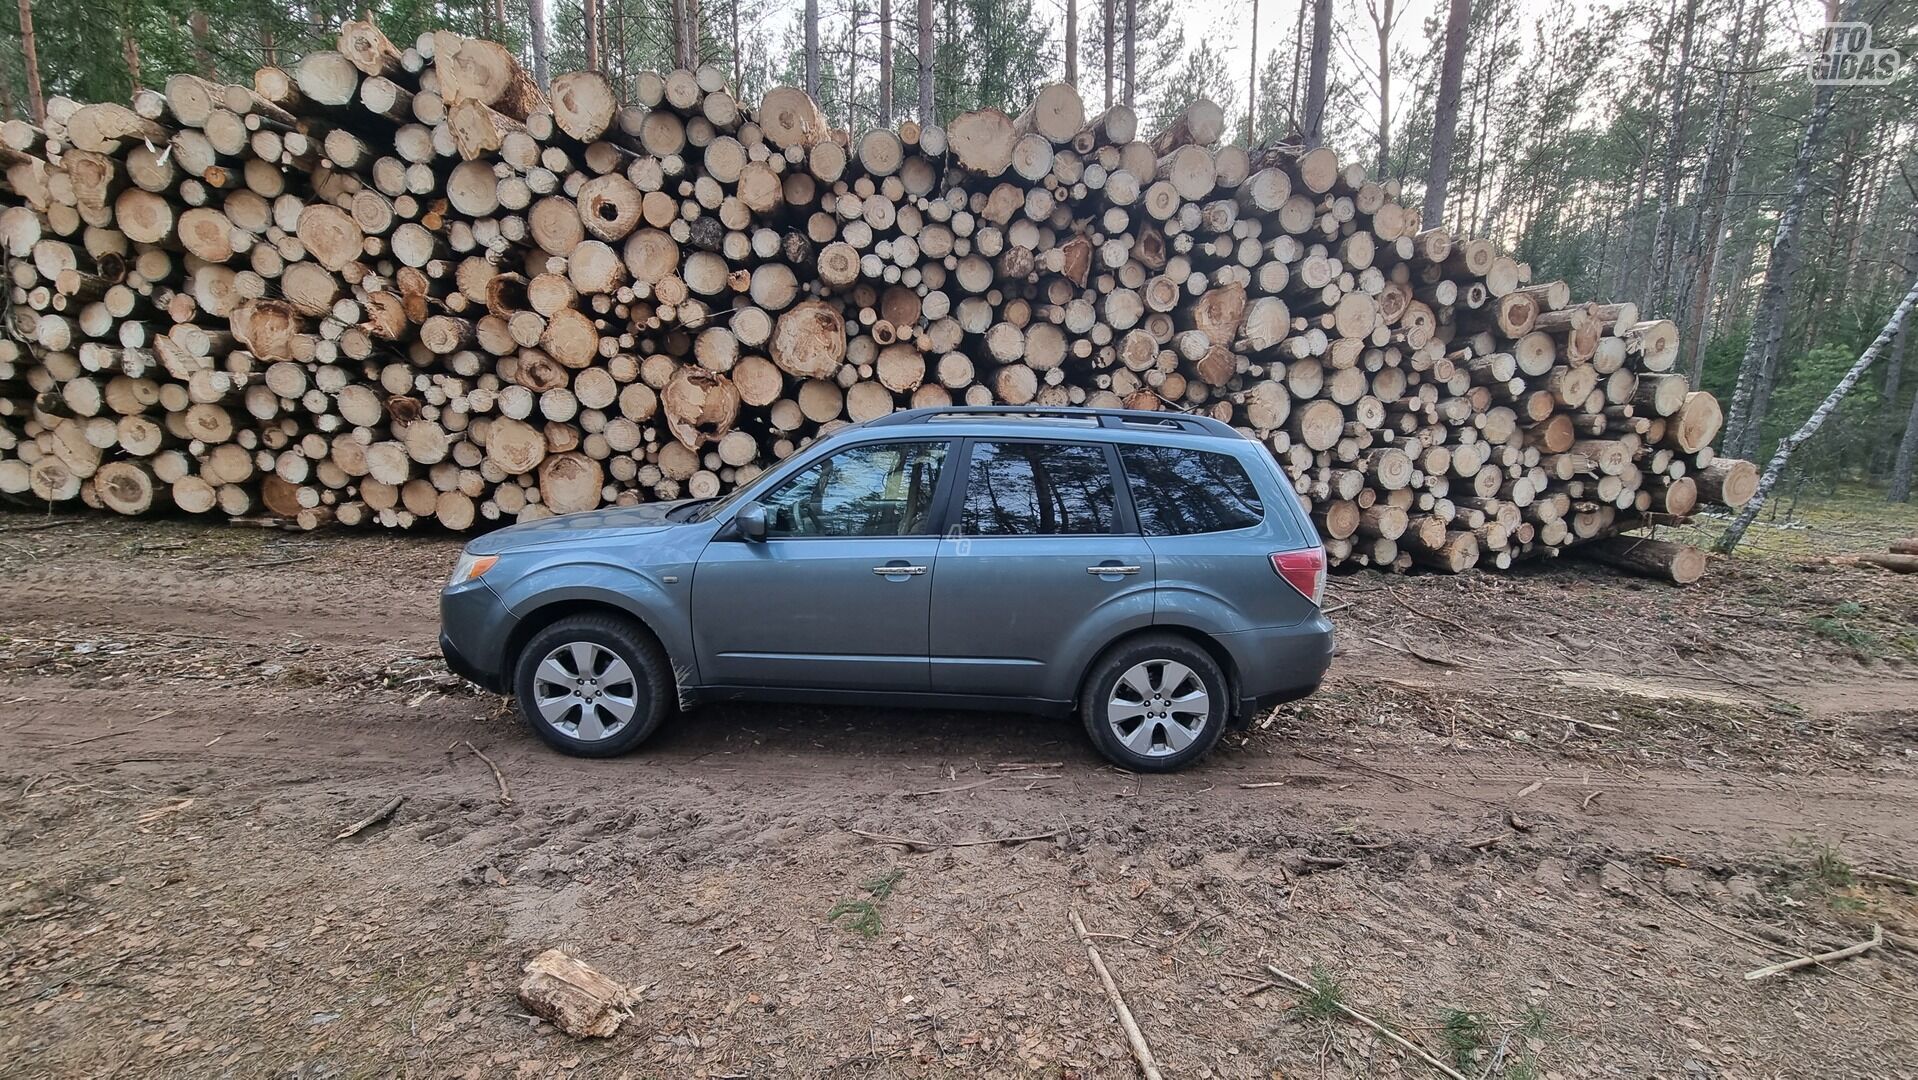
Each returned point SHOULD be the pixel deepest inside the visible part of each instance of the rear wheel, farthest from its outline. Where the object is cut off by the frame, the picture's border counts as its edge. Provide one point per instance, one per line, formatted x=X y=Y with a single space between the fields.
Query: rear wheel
x=1155 y=704
x=593 y=685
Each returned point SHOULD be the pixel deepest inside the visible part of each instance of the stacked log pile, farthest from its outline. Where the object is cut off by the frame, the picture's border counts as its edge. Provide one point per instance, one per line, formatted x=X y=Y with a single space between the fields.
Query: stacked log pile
x=403 y=285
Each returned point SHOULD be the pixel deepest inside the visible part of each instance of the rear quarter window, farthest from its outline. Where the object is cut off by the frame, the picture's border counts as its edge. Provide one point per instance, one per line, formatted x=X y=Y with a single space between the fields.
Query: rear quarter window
x=1181 y=492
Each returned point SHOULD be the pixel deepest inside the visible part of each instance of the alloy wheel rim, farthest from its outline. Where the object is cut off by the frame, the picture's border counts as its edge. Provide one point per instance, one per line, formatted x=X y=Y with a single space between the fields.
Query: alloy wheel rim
x=585 y=691
x=1158 y=708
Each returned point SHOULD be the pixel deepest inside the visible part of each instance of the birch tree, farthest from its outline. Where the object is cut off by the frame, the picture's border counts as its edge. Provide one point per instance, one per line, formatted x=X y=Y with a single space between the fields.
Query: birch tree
x=1776 y=469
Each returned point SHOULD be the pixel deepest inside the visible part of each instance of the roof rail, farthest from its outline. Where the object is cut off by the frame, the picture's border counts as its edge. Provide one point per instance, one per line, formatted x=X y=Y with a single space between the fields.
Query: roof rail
x=1109 y=418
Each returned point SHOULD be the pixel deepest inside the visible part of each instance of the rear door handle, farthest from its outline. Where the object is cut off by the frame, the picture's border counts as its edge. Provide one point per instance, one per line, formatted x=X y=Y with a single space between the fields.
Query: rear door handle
x=1102 y=570
x=888 y=571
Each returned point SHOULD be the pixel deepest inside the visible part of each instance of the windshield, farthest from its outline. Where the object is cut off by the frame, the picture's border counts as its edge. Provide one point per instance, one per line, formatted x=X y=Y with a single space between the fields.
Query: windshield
x=712 y=508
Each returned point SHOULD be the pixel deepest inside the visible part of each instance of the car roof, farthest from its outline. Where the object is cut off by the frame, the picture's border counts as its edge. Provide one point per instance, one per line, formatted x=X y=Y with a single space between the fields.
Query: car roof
x=1031 y=419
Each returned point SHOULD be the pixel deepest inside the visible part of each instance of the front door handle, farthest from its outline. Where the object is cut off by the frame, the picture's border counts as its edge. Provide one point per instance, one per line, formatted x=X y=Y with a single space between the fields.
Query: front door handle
x=1103 y=570
x=888 y=571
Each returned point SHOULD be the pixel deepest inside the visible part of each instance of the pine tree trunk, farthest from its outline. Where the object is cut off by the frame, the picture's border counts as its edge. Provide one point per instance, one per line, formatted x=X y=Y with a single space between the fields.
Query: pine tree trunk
x=619 y=74
x=130 y=49
x=1458 y=21
x=1298 y=67
x=1893 y=389
x=591 y=28
x=739 y=62
x=1894 y=386
x=1252 y=83
x=1315 y=81
x=812 y=49
x=1487 y=77
x=1900 y=490
x=1711 y=269
x=1756 y=369
x=202 y=56
x=1711 y=273
x=1708 y=202
x=925 y=59
x=1072 y=43
x=686 y=34
x=1844 y=186
x=1632 y=268
x=1384 y=25
x=885 y=63
x=1132 y=54
x=1108 y=8
x=1662 y=240
x=852 y=66
x=1736 y=531
x=536 y=17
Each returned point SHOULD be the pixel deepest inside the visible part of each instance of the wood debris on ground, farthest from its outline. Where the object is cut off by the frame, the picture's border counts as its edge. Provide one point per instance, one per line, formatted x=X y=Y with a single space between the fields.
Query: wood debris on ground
x=577 y=999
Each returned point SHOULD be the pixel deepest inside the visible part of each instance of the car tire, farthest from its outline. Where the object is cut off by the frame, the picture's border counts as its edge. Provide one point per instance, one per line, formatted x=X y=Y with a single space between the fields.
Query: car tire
x=1156 y=703
x=593 y=685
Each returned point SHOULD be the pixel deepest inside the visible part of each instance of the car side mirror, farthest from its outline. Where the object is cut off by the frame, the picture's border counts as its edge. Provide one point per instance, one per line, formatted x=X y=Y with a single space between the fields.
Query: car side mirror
x=751 y=521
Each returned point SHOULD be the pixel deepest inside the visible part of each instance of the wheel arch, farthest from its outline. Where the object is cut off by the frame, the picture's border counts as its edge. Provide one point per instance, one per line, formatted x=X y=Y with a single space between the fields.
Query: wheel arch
x=545 y=615
x=1203 y=641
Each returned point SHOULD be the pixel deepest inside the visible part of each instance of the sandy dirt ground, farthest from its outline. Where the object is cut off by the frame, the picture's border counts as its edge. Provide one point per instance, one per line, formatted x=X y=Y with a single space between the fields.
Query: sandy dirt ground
x=1556 y=854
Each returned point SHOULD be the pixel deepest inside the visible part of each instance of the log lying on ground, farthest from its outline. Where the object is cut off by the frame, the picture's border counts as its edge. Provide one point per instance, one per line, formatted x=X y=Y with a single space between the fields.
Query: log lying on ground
x=1680 y=564
x=1903 y=564
x=396 y=284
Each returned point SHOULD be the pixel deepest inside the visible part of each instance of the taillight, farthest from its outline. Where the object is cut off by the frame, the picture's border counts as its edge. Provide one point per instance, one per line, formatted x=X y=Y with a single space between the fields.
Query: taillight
x=1303 y=570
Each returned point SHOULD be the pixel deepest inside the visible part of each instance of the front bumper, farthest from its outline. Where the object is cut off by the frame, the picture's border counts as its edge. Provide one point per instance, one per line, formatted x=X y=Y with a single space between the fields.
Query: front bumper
x=466 y=669
x=474 y=630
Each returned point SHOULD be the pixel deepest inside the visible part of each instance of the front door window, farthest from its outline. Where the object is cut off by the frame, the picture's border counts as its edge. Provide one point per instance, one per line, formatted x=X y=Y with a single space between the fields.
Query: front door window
x=884 y=489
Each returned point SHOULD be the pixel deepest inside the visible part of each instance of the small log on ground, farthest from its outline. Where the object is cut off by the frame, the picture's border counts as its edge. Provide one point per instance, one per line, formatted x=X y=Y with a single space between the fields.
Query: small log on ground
x=577 y=999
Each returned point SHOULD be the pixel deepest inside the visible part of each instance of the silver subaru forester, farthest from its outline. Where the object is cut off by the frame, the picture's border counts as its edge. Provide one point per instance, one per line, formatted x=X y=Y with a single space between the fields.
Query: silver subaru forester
x=1155 y=572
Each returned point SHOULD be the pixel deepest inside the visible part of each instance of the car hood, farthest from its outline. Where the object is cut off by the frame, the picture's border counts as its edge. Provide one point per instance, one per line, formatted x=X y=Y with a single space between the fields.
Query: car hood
x=587 y=526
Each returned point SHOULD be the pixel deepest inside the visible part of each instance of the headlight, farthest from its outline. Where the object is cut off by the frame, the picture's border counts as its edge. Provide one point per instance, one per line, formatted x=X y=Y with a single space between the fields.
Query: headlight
x=469 y=567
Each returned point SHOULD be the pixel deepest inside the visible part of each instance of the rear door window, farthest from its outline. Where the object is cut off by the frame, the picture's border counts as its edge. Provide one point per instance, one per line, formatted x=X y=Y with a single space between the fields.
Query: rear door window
x=1039 y=489
x=1181 y=492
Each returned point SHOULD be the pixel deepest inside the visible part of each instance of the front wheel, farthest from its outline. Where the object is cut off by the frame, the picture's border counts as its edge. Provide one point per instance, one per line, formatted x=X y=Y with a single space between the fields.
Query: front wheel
x=1155 y=704
x=592 y=686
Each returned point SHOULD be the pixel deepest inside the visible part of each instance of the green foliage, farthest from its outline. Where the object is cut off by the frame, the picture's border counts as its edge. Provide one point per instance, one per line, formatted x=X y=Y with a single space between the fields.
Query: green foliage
x=864 y=914
x=1838 y=627
x=1464 y=1033
x=1202 y=74
x=1535 y=1022
x=880 y=888
x=1158 y=43
x=865 y=917
x=1322 y=1002
x=1824 y=863
x=1275 y=117
x=986 y=54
